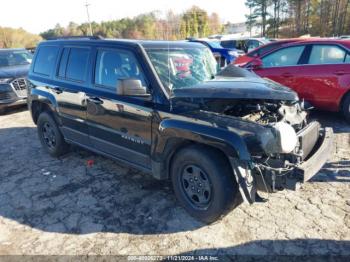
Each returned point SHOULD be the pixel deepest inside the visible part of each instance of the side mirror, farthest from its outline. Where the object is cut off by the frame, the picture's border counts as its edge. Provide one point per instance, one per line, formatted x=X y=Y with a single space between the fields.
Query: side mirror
x=131 y=87
x=256 y=64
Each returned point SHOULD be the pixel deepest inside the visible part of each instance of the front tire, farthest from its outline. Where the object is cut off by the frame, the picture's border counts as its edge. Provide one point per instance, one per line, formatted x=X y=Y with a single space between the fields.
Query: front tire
x=203 y=182
x=50 y=136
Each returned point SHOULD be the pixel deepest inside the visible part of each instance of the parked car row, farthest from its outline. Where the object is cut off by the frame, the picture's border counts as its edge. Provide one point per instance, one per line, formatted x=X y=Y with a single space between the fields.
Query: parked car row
x=227 y=51
x=244 y=44
x=223 y=55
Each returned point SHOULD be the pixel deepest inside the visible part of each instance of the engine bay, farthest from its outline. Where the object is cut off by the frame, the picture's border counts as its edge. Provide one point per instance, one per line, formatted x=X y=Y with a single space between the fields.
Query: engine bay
x=264 y=112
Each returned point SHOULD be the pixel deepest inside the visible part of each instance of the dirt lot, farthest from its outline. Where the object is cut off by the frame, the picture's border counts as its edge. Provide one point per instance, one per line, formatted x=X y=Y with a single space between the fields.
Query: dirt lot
x=60 y=206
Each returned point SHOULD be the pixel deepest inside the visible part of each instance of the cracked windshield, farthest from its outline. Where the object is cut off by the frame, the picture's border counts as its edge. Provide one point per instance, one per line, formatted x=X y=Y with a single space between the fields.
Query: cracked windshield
x=183 y=67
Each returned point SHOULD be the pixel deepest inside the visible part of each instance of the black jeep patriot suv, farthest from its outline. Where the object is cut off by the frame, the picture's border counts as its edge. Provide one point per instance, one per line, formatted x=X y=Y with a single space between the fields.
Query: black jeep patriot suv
x=164 y=108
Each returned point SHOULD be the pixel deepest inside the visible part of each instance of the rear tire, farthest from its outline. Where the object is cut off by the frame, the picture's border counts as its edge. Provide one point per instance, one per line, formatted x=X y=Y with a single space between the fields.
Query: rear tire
x=203 y=182
x=50 y=136
x=346 y=108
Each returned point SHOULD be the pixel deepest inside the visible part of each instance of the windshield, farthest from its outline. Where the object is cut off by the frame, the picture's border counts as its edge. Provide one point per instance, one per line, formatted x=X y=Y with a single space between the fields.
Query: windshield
x=183 y=67
x=15 y=57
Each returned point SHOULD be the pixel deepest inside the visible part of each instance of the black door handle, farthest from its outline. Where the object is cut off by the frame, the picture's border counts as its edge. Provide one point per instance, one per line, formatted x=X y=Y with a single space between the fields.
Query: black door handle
x=95 y=100
x=57 y=90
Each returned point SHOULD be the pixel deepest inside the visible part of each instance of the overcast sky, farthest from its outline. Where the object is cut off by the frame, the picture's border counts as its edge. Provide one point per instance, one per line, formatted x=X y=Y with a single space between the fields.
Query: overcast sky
x=37 y=16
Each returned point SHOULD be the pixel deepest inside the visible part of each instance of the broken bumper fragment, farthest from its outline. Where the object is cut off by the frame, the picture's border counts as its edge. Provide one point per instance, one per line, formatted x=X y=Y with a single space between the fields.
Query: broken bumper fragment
x=314 y=163
x=321 y=152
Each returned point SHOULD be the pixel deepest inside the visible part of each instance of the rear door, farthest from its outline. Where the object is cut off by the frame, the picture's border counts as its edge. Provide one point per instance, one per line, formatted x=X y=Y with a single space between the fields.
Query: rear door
x=71 y=80
x=119 y=125
x=326 y=77
x=284 y=65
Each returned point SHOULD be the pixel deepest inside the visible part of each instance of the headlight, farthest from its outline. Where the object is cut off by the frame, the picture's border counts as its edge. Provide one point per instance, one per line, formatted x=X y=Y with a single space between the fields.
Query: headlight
x=281 y=138
x=5 y=80
x=287 y=137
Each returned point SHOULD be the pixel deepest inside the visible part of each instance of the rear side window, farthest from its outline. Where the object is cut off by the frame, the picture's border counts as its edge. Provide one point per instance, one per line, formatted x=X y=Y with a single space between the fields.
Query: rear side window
x=77 y=64
x=45 y=60
x=327 y=54
x=63 y=63
x=284 y=57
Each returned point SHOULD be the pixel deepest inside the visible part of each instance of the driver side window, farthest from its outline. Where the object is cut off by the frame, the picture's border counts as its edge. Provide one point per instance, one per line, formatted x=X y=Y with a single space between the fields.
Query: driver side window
x=284 y=57
x=115 y=65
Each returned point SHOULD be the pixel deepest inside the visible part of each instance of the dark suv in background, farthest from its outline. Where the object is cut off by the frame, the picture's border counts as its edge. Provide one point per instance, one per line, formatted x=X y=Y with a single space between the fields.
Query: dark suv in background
x=14 y=67
x=163 y=108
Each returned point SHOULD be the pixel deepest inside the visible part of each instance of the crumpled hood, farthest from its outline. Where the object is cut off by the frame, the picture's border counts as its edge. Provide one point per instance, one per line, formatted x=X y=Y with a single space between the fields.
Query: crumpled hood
x=14 y=71
x=237 y=88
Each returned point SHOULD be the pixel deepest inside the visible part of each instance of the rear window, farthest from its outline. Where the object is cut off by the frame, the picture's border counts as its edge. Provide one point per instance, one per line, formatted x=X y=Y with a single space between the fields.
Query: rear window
x=327 y=54
x=77 y=64
x=73 y=64
x=45 y=60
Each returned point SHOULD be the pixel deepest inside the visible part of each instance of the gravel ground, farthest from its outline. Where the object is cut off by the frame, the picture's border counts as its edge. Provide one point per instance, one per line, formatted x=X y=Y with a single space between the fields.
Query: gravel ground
x=61 y=206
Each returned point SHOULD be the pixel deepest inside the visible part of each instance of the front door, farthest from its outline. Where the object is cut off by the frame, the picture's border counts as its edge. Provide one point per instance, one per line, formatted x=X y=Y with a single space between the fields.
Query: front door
x=119 y=125
x=283 y=66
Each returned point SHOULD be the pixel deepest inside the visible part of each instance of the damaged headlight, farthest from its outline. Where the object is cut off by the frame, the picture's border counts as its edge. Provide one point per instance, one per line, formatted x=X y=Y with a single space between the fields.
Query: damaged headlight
x=280 y=138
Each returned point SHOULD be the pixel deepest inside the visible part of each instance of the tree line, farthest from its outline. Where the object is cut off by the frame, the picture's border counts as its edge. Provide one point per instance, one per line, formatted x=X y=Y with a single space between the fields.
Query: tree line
x=293 y=18
x=12 y=38
x=195 y=22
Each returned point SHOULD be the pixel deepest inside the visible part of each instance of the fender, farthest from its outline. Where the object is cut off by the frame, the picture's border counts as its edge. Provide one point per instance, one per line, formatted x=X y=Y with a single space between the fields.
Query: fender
x=42 y=96
x=229 y=142
x=37 y=95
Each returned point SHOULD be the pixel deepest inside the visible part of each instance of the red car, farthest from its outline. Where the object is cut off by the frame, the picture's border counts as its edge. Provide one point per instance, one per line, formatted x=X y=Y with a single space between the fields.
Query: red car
x=261 y=50
x=318 y=70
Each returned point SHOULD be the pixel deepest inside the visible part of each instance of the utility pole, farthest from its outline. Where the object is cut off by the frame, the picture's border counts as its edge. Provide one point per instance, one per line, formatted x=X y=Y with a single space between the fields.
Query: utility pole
x=88 y=16
x=250 y=21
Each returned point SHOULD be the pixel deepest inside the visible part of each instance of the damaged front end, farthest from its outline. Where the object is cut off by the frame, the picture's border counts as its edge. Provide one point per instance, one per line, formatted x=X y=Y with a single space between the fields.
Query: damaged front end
x=293 y=150
x=285 y=149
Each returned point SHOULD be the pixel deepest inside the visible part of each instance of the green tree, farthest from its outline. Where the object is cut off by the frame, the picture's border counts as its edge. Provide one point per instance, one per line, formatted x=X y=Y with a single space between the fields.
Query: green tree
x=12 y=38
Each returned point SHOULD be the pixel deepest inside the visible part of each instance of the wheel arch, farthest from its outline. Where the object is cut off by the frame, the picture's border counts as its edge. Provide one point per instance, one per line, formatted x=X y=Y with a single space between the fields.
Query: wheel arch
x=40 y=101
x=174 y=135
x=39 y=106
x=199 y=146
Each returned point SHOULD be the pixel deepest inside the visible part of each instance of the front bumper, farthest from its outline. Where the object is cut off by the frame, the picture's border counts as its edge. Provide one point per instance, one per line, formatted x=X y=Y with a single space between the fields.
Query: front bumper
x=12 y=102
x=9 y=96
x=319 y=149
x=269 y=181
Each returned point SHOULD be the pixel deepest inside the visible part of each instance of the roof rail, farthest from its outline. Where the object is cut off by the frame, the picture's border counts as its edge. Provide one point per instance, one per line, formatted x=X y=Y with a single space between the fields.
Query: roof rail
x=83 y=37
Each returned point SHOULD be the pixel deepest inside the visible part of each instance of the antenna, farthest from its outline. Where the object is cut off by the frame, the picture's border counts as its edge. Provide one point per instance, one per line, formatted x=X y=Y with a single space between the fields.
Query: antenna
x=168 y=54
x=88 y=15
